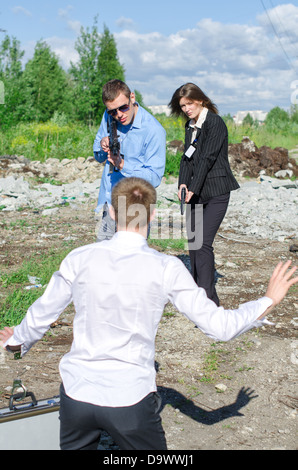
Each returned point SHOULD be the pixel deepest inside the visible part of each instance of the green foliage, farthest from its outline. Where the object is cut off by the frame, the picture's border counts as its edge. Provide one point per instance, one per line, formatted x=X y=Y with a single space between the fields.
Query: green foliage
x=17 y=300
x=174 y=127
x=276 y=117
x=49 y=112
x=44 y=87
x=294 y=113
x=282 y=134
x=16 y=304
x=172 y=164
x=11 y=75
x=98 y=63
x=108 y=62
x=248 y=120
x=61 y=138
x=46 y=82
x=55 y=138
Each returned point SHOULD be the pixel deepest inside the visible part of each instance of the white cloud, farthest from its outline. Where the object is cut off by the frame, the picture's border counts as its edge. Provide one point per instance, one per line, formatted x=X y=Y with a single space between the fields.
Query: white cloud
x=64 y=49
x=73 y=25
x=20 y=10
x=126 y=23
x=238 y=66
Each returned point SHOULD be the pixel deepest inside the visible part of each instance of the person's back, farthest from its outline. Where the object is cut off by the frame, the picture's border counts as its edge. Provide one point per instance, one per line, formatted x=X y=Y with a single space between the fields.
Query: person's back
x=119 y=297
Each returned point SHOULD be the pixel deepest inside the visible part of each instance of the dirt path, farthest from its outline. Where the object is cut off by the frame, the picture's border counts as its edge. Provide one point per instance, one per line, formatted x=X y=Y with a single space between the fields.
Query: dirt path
x=237 y=395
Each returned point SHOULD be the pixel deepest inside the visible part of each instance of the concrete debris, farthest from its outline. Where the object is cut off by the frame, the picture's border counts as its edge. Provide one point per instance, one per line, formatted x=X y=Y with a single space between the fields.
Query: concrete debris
x=17 y=193
x=265 y=207
x=64 y=171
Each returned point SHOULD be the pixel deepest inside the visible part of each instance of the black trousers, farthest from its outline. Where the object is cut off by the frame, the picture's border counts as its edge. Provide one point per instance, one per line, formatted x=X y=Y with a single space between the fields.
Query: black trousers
x=202 y=259
x=136 y=427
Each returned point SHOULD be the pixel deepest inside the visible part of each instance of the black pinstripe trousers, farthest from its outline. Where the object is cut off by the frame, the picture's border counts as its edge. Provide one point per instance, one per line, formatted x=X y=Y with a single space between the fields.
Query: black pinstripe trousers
x=202 y=259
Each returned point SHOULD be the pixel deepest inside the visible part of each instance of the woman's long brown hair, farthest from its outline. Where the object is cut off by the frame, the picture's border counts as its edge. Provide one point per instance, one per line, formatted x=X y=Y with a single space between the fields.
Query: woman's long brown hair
x=193 y=93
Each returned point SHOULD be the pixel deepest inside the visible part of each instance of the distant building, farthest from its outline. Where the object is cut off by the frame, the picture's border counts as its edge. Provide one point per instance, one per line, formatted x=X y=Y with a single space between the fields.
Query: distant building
x=256 y=115
x=159 y=109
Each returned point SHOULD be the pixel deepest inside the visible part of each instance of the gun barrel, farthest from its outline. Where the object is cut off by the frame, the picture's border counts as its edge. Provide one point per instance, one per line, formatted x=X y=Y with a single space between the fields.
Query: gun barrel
x=114 y=143
x=183 y=196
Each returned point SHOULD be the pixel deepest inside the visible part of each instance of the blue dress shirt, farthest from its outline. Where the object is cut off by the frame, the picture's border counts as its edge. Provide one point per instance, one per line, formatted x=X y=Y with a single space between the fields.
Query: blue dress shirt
x=143 y=145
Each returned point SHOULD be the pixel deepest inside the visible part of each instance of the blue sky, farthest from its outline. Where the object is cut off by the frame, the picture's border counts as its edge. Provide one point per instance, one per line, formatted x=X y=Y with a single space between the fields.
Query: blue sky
x=244 y=55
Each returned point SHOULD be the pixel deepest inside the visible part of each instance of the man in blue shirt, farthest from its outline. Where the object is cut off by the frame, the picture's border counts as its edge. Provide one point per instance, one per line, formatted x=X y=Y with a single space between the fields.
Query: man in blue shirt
x=142 y=147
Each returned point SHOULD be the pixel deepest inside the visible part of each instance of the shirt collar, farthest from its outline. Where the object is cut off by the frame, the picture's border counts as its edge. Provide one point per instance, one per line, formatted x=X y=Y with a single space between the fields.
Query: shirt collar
x=137 y=122
x=129 y=238
x=201 y=120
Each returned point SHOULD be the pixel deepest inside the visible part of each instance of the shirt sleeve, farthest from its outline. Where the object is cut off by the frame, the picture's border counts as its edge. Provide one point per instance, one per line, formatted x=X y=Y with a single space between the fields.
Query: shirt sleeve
x=152 y=165
x=216 y=322
x=45 y=310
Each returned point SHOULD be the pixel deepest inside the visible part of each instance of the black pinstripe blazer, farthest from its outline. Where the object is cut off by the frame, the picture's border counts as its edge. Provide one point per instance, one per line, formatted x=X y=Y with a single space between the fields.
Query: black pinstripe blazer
x=207 y=173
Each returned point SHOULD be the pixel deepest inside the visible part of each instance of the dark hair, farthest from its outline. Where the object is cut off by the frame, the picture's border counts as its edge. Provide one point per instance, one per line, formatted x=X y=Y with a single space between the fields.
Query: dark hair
x=112 y=89
x=193 y=93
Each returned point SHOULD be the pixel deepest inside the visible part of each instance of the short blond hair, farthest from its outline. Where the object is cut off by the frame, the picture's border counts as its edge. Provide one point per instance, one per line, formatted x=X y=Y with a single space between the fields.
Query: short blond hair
x=133 y=196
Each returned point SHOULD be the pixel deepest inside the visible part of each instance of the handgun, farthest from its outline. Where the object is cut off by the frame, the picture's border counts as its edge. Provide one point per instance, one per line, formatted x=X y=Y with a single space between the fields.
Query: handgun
x=114 y=143
x=183 y=196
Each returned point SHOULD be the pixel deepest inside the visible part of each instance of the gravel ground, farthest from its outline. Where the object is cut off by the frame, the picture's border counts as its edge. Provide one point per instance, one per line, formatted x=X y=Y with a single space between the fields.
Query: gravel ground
x=236 y=396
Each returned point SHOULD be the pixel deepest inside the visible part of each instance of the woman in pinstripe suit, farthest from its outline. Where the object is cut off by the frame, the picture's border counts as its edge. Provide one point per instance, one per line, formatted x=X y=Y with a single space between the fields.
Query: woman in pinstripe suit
x=206 y=175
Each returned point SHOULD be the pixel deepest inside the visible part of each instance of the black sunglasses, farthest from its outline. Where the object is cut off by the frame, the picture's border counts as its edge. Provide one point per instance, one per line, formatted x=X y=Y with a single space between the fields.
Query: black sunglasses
x=122 y=109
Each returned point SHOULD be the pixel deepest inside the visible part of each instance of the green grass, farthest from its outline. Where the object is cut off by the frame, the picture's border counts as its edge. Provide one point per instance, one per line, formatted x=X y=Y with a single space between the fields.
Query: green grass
x=39 y=141
x=167 y=244
x=15 y=299
x=265 y=136
x=172 y=164
x=16 y=304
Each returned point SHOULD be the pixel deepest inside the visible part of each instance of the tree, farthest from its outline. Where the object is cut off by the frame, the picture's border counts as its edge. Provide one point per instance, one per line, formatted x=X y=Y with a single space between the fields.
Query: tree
x=139 y=99
x=46 y=82
x=11 y=75
x=98 y=63
x=108 y=65
x=294 y=113
x=248 y=120
x=85 y=74
x=277 y=115
x=228 y=118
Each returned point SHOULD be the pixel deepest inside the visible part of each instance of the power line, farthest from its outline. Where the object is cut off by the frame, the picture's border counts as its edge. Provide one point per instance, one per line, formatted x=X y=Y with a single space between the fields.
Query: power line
x=282 y=25
x=278 y=38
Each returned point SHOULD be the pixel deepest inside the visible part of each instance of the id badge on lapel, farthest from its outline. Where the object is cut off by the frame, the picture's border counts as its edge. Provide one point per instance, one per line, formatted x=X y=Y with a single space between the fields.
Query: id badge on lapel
x=192 y=148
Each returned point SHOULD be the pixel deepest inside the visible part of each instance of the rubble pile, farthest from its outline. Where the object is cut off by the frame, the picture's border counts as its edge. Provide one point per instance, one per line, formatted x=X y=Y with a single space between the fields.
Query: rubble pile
x=64 y=171
x=246 y=159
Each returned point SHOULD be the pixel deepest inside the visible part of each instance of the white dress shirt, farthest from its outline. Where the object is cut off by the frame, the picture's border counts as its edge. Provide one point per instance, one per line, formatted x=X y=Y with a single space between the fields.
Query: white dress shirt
x=119 y=289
